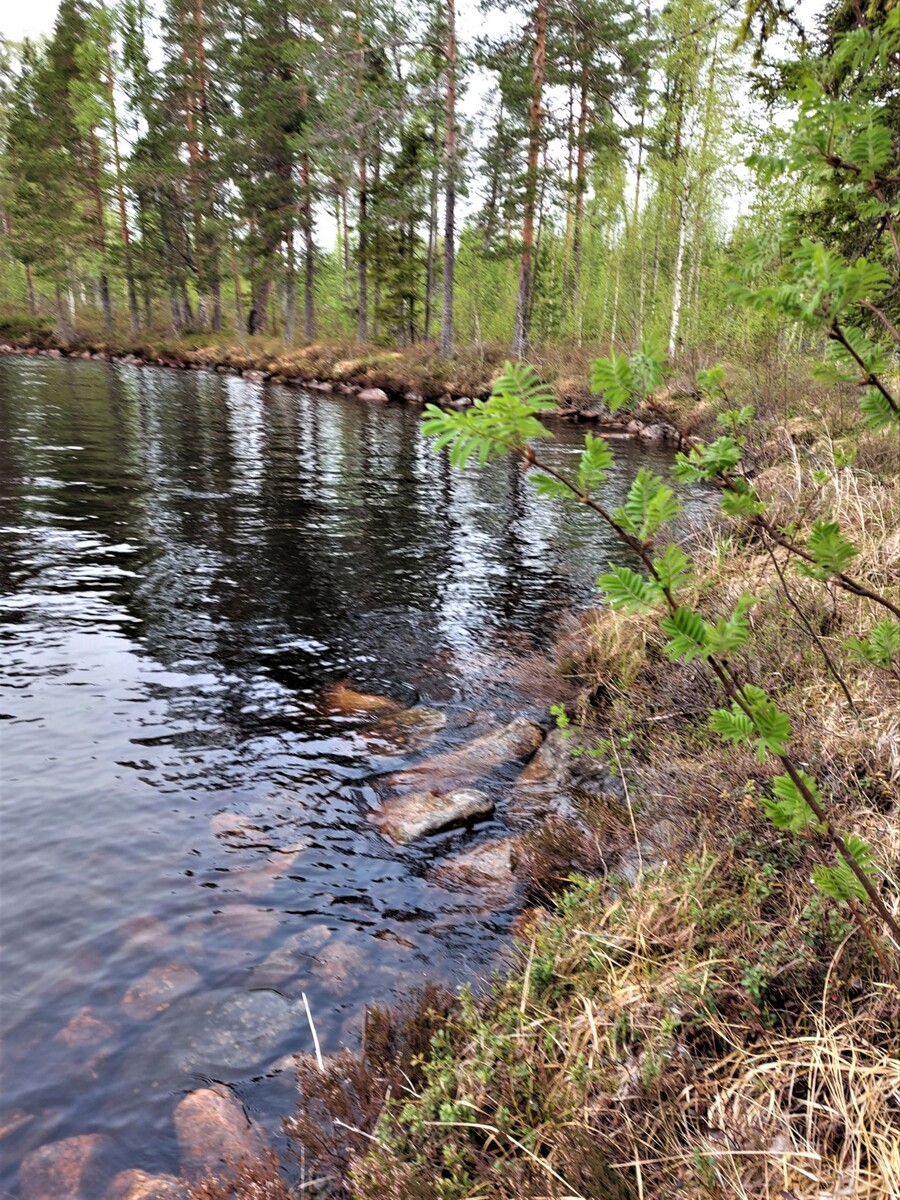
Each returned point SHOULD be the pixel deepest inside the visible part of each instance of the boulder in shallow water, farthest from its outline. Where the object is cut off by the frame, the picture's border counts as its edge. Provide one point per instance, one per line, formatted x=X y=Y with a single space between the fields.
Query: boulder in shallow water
x=374 y=393
x=411 y=729
x=77 y=1168
x=138 y=1185
x=344 y=699
x=474 y=759
x=295 y=954
x=213 y=1132
x=85 y=1031
x=221 y=1034
x=154 y=992
x=487 y=867
x=418 y=814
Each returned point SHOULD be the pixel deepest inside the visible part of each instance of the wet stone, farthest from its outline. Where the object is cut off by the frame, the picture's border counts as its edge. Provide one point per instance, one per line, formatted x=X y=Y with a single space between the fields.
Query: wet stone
x=419 y=814
x=226 y=1031
x=145 y=934
x=487 y=865
x=556 y=777
x=474 y=759
x=373 y=394
x=295 y=954
x=213 y=1132
x=85 y=1031
x=154 y=992
x=342 y=698
x=340 y=967
x=138 y=1185
x=77 y=1168
x=411 y=729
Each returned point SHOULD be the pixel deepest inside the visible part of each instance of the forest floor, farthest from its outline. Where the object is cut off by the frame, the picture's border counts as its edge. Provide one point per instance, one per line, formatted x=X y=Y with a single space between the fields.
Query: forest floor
x=691 y=1017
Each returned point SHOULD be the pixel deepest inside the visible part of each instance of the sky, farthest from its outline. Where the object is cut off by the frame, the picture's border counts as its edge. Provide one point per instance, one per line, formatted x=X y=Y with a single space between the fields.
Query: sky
x=26 y=18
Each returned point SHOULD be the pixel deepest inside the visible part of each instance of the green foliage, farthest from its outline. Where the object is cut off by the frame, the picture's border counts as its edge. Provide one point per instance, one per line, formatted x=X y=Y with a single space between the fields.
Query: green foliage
x=492 y=428
x=687 y=634
x=712 y=382
x=595 y=461
x=626 y=590
x=753 y=717
x=613 y=379
x=706 y=460
x=790 y=809
x=838 y=880
x=650 y=504
x=672 y=567
x=623 y=381
x=881 y=647
x=735 y=419
x=830 y=549
x=731 y=633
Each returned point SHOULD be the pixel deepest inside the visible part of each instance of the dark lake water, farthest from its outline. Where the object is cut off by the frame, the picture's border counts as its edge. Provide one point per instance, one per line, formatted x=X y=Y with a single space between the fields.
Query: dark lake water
x=187 y=562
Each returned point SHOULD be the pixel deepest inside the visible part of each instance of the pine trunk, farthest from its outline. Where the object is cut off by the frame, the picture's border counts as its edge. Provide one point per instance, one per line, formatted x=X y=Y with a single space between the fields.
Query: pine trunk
x=580 y=189
x=449 y=187
x=535 y=117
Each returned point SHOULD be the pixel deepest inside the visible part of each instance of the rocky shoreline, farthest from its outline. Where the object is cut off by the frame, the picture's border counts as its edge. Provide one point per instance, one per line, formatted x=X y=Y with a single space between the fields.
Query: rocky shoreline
x=539 y=789
x=349 y=377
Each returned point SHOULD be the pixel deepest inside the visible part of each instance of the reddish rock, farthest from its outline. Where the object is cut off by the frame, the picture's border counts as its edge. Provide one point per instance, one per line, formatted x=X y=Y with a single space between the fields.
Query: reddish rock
x=213 y=1132
x=146 y=933
x=374 y=393
x=340 y=966
x=245 y=922
x=77 y=1168
x=138 y=1185
x=85 y=1030
x=342 y=698
x=155 y=991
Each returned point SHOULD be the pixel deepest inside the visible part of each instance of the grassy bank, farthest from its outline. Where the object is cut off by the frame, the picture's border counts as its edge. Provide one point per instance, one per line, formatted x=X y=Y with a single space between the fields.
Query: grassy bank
x=694 y=1019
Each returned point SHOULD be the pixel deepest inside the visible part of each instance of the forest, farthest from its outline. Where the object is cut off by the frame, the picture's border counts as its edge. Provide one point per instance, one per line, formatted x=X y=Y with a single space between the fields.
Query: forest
x=576 y=173
x=676 y=223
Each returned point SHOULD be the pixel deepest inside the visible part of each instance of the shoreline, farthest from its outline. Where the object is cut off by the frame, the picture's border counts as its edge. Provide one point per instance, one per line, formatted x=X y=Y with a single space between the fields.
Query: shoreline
x=348 y=377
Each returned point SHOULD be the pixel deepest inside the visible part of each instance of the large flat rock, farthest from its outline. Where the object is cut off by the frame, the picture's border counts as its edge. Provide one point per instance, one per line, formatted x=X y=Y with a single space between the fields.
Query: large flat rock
x=77 y=1168
x=221 y=1034
x=418 y=814
x=472 y=760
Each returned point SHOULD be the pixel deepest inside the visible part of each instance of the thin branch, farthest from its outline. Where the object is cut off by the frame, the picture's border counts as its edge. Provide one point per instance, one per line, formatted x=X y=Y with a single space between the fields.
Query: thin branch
x=823 y=650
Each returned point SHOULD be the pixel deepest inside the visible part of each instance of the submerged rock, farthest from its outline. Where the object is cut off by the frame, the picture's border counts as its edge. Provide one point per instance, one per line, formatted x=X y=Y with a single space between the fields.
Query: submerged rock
x=85 y=1031
x=488 y=865
x=418 y=814
x=154 y=992
x=213 y=1131
x=293 y=955
x=411 y=729
x=77 y=1168
x=223 y=1032
x=342 y=698
x=474 y=759
x=138 y=1185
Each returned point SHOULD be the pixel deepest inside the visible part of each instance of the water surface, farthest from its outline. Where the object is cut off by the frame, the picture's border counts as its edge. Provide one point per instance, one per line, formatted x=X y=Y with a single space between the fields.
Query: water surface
x=187 y=561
